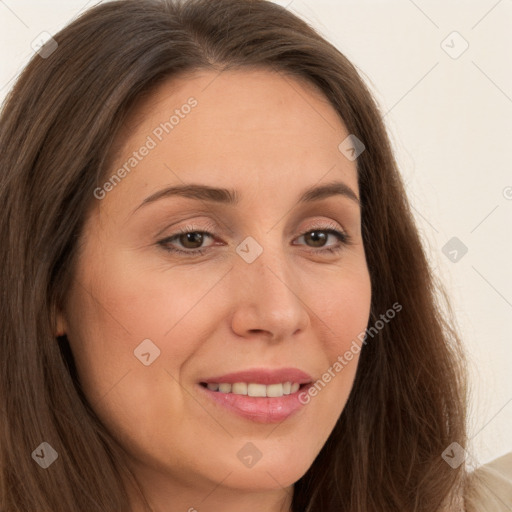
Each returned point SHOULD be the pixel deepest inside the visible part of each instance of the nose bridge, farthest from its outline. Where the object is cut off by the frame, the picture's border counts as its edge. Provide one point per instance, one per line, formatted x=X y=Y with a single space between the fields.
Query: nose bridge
x=269 y=298
x=264 y=262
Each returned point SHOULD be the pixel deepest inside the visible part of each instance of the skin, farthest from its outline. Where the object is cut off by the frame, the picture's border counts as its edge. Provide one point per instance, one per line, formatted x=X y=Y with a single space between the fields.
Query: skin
x=269 y=137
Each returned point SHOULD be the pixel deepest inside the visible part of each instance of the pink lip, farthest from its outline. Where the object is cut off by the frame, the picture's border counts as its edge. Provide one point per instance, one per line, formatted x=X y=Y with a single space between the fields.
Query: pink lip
x=263 y=376
x=260 y=409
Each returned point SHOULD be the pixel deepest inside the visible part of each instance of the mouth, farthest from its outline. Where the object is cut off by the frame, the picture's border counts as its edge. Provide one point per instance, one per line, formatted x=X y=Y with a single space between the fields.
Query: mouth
x=255 y=389
x=259 y=395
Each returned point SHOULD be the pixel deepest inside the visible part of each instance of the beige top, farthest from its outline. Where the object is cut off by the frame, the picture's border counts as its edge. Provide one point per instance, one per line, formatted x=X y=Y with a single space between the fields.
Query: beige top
x=490 y=488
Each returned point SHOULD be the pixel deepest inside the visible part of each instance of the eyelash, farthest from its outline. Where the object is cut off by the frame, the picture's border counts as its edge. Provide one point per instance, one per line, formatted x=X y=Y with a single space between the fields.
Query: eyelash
x=344 y=239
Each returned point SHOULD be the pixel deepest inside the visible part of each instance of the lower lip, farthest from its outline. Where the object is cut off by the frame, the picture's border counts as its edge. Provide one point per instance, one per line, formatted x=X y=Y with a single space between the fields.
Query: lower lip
x=259 y=409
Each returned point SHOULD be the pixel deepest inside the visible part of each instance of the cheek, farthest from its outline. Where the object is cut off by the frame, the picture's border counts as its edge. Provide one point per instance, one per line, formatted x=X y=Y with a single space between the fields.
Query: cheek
x=343 y=304
x=130 y=335
x=134 y=328
x=124 y=305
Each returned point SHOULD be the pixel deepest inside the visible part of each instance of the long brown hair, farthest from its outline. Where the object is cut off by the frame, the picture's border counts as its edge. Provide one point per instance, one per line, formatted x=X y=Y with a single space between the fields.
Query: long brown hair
x=58 y=127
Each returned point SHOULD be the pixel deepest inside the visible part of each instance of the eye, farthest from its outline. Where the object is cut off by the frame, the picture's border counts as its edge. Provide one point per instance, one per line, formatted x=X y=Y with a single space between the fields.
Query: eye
x=191 y=240
x=319 y=236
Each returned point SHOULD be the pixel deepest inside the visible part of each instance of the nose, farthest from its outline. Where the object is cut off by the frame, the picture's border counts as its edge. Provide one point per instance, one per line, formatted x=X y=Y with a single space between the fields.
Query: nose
x=268 y=299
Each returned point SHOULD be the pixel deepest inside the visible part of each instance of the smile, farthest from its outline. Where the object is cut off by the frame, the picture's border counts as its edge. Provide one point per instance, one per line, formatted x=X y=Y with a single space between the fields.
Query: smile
x=254 y=389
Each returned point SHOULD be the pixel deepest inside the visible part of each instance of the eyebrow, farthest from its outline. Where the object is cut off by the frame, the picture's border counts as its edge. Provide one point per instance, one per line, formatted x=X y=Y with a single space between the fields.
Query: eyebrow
x=231 y=196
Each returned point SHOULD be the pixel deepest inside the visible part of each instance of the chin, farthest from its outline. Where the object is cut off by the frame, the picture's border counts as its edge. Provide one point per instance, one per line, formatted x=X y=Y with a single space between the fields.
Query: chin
x=268 y=473
x=265 y=479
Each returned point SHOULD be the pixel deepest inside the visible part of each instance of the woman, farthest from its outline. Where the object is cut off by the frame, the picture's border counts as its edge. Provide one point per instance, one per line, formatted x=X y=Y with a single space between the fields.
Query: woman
x=294 y=356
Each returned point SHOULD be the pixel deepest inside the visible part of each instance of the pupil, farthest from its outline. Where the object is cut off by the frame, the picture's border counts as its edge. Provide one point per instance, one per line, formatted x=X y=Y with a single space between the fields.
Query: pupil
x=190 y=238
x=318 y=236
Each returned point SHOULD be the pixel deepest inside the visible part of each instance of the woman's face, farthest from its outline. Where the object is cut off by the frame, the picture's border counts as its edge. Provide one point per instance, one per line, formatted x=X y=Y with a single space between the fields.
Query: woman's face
x=275 y=291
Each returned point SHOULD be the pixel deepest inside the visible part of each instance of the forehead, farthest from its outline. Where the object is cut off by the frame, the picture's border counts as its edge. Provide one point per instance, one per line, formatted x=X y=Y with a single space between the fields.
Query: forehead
x=239 y=128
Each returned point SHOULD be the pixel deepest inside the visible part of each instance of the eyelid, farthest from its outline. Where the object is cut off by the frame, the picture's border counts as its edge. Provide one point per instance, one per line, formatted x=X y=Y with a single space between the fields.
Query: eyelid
x=211 y=227
x=323 y=224
x=207 y=225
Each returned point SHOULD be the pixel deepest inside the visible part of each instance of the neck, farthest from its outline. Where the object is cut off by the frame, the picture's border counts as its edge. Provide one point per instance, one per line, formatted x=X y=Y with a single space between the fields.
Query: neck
x=165 y=493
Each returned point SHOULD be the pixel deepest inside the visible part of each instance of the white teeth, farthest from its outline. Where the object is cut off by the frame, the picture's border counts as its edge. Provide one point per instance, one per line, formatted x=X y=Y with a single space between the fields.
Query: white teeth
x=255 y=389
x=275 y=390
x=225 y=388
x=239 y=388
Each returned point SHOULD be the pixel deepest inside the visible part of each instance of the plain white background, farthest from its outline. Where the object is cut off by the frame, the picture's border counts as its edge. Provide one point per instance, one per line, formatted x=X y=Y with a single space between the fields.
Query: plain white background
x=441 y=73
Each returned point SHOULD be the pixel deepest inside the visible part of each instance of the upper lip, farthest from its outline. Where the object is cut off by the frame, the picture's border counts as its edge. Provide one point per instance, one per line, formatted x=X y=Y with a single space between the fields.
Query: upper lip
x=263 y=376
